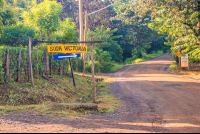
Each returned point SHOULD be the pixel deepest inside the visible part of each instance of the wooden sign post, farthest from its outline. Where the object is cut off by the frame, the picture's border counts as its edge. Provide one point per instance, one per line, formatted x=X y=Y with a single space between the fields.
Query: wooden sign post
x=72 y=72
x=93 y=78
x=30 y=62
x=179 y=55
x=69 y=49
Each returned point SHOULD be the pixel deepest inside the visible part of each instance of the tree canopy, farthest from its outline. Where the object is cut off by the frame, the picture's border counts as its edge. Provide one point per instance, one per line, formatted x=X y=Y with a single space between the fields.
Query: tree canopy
x=44 y=16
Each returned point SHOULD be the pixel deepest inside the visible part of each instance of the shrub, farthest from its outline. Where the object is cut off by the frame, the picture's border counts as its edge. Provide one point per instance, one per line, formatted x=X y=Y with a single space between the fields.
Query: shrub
x=14 y=57
x=106 y=67
x=80 y=64
x=173 y=67
x=137 y=61
x=130 y=60
x=97 y=66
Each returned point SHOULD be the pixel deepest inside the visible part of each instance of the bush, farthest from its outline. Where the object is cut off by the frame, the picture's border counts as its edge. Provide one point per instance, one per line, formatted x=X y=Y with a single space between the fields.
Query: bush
x=130 y=60
x=19 y=30
x=106 y=67
x=174 y=67
x=193 y=59
x=14 y=57
x=138 y=61
x=97 y=66
x=80 y=64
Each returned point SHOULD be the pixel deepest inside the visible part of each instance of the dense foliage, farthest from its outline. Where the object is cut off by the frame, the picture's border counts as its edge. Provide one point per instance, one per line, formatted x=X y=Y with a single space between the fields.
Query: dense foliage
x=176 y=19
x=128 y=28
x=7 y=16
x=14 y=58
x=19 y=30
x=43 y=17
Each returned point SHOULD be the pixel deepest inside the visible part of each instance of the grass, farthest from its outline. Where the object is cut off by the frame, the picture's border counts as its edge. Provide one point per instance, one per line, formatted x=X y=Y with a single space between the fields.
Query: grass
x=22 y=97
x=108 y=103
x=174 y=67
x=191 y=73
x=131 y=61
x=116 y=67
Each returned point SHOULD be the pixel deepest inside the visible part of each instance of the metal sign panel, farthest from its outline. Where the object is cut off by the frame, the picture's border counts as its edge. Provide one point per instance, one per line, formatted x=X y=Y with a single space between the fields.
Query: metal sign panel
x=179 y=54
x=67 y=48
x=184 y=60
x=65 y=56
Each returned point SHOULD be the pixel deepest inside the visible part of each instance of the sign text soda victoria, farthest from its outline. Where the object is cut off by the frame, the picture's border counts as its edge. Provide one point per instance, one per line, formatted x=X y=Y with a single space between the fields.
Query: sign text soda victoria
x=67 y=49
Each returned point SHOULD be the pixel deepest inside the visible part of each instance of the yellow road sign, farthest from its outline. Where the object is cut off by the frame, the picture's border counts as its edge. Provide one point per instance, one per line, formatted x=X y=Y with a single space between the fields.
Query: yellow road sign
x=66 y=48
x=179 y=54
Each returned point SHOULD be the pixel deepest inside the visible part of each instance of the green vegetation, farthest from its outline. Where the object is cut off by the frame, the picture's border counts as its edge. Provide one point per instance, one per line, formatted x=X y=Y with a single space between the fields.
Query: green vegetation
x=116 y=67
x=192 y=73
x=174 y=67
x=172 y=22
x=14 y=57
x=131 y=31
x=43 y=17
x=22 y=96
x=124 y=36
x=144 y=58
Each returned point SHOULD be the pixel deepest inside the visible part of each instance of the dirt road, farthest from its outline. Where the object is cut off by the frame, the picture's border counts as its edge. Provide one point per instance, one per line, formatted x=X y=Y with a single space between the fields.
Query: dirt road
x=152 y=101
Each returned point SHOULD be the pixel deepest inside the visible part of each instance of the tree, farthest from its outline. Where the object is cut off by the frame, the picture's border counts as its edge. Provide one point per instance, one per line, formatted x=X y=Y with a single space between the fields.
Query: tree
x=19 y=30
x=179 y=20
x=44 y=17
x=109 y=45
x=66 y=31
x=136 y=34
x=7 y=15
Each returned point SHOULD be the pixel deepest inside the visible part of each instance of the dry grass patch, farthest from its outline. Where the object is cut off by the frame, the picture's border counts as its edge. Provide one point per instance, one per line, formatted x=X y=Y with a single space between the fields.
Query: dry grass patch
x=107 y=103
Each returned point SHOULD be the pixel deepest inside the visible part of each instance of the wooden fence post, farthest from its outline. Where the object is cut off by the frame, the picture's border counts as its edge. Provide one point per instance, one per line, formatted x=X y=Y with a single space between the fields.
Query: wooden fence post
x=46 y=62
x=37 y=64
x=30 y=62
x=7 y=65
x=28 y=71
x=19 y=66
x=61 y=66
x=47 y=65
x=51 y=65
x=27 y=67
x=77 y=65
x=72 y=72
x=64 y=67
x=93 y=77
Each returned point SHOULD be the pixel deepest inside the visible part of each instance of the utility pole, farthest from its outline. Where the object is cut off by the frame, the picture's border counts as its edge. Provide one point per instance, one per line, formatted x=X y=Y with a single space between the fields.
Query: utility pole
x=86 y=28
x=93 y=77
x=81 y=20
x=85 y=39
x=80 y=27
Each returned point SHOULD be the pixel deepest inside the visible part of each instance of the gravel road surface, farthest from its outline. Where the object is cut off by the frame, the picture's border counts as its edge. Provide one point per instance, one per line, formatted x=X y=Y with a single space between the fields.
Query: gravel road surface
x=153 y=100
